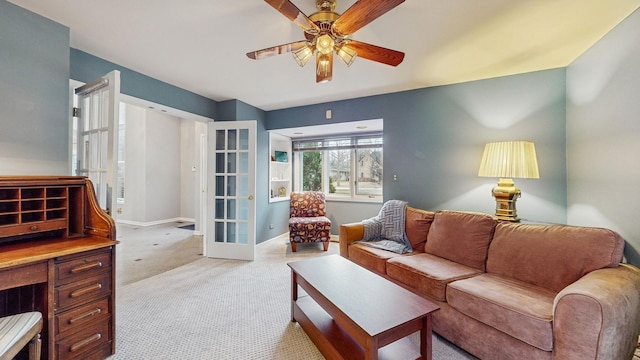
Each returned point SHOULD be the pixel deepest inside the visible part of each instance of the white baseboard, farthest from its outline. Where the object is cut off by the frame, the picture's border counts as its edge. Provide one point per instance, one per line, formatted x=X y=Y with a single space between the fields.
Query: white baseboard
x=156 y=222
x=283 y=236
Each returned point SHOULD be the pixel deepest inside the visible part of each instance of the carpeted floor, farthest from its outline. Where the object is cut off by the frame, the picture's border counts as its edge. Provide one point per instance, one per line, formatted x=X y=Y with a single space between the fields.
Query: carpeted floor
x=223 y=309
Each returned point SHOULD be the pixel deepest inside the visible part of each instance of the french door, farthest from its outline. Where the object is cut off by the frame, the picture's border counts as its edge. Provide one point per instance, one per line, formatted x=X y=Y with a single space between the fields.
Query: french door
x=97 y=136
x=231 y=167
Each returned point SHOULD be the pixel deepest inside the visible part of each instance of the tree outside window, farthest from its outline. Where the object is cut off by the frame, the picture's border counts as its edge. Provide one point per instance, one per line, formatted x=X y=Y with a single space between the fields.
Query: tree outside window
x=311 y=171
x=344 y=168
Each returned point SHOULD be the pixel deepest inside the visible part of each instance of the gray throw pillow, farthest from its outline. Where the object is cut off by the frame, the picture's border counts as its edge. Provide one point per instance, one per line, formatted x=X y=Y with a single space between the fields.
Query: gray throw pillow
x=392 y=217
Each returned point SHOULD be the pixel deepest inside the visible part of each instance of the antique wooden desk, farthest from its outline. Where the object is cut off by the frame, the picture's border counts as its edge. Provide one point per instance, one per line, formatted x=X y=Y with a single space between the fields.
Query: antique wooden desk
x=57 y=256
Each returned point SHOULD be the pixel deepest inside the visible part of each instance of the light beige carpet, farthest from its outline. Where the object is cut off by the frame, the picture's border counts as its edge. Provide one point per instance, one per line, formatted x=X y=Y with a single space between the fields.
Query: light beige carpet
x=223 y=309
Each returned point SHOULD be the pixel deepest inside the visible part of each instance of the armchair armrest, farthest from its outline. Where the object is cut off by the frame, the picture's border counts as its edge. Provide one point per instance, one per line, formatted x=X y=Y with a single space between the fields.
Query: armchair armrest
x=598 y=316
x=348 y=234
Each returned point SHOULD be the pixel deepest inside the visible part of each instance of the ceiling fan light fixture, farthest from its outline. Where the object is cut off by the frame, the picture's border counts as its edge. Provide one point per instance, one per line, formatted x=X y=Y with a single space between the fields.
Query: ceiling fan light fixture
x=346 y=54
x=326 y=32
x=325 y=44
x=324 y=67
x=303 y=55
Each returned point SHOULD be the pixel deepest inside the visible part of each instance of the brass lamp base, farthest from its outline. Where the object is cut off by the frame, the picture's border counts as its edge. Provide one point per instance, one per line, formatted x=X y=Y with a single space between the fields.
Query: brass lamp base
x=506 y=194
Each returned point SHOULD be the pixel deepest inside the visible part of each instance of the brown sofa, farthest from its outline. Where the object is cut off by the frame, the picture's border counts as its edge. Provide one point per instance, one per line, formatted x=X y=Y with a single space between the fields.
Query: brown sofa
x=511 y=290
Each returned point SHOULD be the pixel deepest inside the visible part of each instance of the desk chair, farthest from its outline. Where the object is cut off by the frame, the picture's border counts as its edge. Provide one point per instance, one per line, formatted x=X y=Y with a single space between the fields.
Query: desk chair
x=16 y=331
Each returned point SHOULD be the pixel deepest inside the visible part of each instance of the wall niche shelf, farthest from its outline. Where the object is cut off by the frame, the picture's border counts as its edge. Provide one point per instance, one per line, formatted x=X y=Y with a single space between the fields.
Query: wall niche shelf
x=279 y=167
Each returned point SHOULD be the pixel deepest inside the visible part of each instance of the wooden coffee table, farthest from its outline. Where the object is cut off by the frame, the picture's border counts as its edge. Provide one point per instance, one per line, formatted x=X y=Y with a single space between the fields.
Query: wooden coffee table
x=351 y=313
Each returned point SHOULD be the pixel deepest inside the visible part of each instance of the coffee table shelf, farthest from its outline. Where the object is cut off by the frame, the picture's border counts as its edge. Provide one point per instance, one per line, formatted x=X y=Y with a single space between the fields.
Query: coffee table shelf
x=336 y=343
x=351 y=313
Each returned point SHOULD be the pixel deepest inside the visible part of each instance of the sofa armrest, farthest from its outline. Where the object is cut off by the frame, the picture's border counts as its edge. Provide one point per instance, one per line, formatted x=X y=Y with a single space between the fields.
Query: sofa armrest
x=348 y=234
x=598 y=316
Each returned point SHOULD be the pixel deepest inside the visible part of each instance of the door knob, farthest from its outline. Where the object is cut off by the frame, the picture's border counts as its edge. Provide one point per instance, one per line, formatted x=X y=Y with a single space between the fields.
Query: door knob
x=250 y=197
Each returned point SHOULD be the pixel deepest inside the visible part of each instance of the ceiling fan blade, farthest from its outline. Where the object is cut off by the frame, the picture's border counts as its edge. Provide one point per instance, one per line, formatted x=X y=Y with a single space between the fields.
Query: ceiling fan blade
x=376 y=53
x=361 y=13
x=286 y=8
x=276 y=50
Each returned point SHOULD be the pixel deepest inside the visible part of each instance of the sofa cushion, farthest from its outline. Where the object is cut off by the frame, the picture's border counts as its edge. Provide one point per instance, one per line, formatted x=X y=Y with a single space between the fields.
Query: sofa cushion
x=552 y=256
x=427 y=274
x=416 y=225
x=462 y=237
x=371 y=258
x=519 y=309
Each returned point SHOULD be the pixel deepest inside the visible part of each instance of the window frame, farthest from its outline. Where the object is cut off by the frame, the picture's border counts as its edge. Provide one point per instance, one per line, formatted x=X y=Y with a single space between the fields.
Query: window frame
x=353 y=143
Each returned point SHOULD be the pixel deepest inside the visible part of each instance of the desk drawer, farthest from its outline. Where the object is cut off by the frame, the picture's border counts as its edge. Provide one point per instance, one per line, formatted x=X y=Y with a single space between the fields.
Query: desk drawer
x=83 y=344
x=82 y=291
x=33 y=227
x=24 y=275
x=74 y=319
x=92 y=264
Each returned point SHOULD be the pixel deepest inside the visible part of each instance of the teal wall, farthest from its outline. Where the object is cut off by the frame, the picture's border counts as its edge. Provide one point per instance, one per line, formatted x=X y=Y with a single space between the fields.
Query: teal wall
x=603 y=135
x=86 y=67
x=434 y=139
x=34 y=93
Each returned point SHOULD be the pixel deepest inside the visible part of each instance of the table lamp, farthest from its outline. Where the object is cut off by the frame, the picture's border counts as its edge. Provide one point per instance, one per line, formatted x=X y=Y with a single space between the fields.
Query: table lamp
x=506 y=160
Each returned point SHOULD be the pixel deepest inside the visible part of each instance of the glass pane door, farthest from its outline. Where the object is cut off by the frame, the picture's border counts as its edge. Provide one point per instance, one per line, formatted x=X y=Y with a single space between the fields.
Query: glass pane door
x=231 y=211
x=97 y=138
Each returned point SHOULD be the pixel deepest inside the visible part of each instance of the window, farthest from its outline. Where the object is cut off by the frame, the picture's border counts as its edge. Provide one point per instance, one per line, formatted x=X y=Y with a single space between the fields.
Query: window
x=121 y=149
x=345 y=168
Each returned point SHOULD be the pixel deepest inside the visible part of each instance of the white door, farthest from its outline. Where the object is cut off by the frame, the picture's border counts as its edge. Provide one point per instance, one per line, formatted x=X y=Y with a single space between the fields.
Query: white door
x=97 y=136
x=231 y=169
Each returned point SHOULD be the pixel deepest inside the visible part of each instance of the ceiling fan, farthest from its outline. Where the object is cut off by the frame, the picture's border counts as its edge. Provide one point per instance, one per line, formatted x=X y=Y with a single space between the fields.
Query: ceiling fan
x=326 y=32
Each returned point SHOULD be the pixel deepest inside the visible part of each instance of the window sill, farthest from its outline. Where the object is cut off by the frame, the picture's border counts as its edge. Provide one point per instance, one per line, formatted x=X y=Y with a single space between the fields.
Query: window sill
x=376 y=200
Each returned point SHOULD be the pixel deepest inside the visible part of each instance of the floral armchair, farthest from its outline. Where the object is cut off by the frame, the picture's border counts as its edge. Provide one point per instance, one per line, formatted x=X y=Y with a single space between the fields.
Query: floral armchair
x=307 y=219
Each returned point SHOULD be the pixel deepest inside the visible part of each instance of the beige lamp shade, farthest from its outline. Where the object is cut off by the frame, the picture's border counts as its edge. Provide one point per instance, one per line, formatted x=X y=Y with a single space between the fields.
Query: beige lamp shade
x=509 y=159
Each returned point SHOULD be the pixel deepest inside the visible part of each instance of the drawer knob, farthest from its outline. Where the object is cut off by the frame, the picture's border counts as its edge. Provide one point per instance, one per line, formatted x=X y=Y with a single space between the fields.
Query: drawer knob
x=33 y=228
x=85 y=267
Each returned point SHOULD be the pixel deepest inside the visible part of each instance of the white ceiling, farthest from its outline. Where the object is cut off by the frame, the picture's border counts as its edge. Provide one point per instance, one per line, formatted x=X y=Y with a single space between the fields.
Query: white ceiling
x=200 y=45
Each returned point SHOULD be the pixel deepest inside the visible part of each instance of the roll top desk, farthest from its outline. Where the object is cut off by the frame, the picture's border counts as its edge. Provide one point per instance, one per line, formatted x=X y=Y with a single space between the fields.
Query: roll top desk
x=57 y=256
